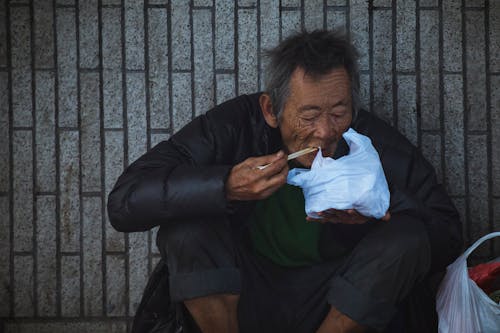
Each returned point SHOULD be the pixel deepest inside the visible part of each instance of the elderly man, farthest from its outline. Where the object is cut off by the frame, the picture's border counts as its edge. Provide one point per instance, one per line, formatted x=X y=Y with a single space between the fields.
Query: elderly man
x=240 y=251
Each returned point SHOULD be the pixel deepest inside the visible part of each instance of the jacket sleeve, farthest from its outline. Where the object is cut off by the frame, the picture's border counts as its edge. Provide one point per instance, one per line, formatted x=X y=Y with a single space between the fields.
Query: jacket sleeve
x=415 y=191
x=178 y=179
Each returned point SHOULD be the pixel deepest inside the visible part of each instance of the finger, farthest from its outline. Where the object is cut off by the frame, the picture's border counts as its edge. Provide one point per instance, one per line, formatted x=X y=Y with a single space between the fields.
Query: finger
x=273 y=182
x=267 y=159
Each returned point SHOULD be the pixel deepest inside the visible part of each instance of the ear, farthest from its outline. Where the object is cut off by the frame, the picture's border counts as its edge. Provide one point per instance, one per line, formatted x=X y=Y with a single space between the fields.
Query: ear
x=267 y=110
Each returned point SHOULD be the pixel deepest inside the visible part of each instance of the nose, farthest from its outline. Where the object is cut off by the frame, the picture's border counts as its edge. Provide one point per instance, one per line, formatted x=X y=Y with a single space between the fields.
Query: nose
x=324 y=130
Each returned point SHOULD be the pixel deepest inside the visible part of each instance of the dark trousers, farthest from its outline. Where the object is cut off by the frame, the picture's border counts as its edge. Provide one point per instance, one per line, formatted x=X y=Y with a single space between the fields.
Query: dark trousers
x=370 y=284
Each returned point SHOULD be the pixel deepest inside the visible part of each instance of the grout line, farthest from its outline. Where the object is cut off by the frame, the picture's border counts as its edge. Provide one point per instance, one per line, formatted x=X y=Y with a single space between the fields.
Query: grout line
x=58 y=169
x=489 y=148
x=148 y=110
x=394 y=56
x=11 y=162
x=418 y=76
x=465 y=119
x=370 y=59
x=441 y=89
x=80 y=164
x=33 y=162
x=259 y=48
x=102 y=146
x=191 y=38
x=125 y=149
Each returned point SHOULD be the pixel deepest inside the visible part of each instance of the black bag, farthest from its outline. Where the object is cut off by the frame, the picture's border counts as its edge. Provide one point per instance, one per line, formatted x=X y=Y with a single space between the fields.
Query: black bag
x=156 y=313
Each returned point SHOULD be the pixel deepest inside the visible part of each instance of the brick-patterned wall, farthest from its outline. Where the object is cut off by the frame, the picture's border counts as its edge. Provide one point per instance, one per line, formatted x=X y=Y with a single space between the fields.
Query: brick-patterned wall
x=87 y=86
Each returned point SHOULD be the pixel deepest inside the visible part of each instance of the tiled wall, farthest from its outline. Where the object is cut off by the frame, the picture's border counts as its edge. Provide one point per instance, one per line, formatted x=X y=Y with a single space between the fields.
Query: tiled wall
x=87 y=86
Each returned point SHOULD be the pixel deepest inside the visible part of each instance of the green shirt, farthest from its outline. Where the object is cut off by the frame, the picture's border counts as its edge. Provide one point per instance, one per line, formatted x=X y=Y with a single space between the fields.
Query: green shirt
x=279 y=229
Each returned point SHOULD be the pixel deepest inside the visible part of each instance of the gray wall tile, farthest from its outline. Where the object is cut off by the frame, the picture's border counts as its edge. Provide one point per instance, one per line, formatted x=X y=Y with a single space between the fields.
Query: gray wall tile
x=104 y=326
x=407 y=107
x=226 y=87
x=69 y=182
x=3 y=34
x=23 y=190
x=24 y=298
x=5 y=246
x=476 y=71
x=364 y=90
x=46 y=268
x=474 y=3
x=428 y=3
x=115 y=286
x=114 y=165
x=154 y=249
x=158 y=68
x=477 y=157
x=337 y=2
x=22 y=100
x=452 y=37
x=134 y=35
x=496 y=223
x=45 y=135
x=203 y=3
x=247 y=52
x=112 y=98
x=88 y=25
x=405 y=35
x=290 y=3
x=382 y=64
x=20 y=37
x=181 y=35
x=204 y=88
x=67 y=67
x=70 y=286
x=111 y=38
x=454 y=135
x=431 y=148
x=224 y=34
x=44 y=33
x=181 y=100
x=92 y=257
x=382 y=3
x=270 y=36
x=313 y=14
x=336 y=19
x=359 y=18
x=156 y=138
x=138 y=251
x=291 y=22
x=136 y=116
x=90 y=132
x=429 y=66
x=494 y=35
x=495 y=133
x=4 y=133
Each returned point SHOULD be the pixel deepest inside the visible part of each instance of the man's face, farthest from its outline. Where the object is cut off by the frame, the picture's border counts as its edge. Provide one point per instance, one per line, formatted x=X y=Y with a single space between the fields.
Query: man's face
x=316 y=114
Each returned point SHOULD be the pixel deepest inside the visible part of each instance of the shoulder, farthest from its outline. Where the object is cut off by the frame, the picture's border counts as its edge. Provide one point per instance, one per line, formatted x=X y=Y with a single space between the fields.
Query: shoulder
x=384 y=136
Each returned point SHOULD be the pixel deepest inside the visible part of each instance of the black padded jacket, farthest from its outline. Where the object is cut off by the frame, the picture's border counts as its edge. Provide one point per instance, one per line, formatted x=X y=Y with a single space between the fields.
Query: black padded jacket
x=184 y=177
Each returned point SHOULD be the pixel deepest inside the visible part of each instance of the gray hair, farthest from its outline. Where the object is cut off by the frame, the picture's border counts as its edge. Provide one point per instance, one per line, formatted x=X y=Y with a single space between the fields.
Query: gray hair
x=317 y=53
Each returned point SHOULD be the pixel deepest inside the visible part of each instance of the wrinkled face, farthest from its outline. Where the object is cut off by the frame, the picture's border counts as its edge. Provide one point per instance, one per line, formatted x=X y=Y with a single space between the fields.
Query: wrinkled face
x=316 y=114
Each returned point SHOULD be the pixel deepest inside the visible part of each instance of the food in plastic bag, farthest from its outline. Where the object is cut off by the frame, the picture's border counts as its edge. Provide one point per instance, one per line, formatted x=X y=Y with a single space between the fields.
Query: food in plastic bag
x=461 y=305
x=354 y=181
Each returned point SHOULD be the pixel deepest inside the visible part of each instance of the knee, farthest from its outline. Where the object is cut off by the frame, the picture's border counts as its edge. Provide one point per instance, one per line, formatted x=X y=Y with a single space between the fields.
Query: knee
x=407 y=239
x=181 y=237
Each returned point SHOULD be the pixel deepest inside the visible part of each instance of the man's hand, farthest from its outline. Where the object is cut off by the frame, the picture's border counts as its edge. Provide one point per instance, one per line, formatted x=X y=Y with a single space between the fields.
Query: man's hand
x=349 y=216
x=247 y=182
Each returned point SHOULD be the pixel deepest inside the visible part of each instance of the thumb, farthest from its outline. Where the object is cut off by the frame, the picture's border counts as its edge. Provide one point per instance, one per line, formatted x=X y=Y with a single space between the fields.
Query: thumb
x=386 y=217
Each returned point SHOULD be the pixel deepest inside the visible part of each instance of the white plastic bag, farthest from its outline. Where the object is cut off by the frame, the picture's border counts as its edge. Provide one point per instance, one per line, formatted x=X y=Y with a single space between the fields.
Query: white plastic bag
x=461 y=305
x=355 y=181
